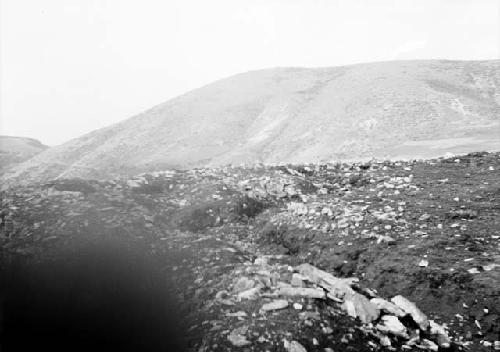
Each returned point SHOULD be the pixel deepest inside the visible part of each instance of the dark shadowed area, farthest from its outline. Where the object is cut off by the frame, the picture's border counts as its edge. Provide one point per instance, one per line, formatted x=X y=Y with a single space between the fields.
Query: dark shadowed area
x=102 y=295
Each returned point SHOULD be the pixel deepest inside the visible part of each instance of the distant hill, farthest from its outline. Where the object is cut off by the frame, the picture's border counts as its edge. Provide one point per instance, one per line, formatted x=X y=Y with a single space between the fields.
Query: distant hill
x=400 y=109
x=14 y=150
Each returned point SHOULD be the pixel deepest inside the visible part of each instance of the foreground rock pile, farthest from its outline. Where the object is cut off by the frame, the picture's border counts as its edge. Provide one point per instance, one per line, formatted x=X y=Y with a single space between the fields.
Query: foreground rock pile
x=266 y=289
x=396 y=256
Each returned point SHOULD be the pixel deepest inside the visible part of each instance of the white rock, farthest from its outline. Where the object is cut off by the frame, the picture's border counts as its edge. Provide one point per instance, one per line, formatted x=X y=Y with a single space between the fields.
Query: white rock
x=302 y=292
x=388 y=307
x=349 y=307
x=334 y=285
x=326 y=211
x=489 y=267
x=423 y=263
x=385 y=238
x=428 y=345
x=358 y=306
x=237 y=314
x=252 y=293
x=294 y=346
x=391 y=324
x=275 y=305
x=134 y=183
x=440 y=333
x=411 y=309
x=237 y=339
x=385 y=341
x=297 y=280
x=260 y=261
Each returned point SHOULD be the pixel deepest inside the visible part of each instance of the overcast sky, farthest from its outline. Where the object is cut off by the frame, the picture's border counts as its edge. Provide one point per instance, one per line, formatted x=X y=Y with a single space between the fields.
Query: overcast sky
x=72 y=66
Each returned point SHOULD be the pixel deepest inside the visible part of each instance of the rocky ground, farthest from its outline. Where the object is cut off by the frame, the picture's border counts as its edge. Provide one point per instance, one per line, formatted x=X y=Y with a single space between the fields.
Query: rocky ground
x=378 y=256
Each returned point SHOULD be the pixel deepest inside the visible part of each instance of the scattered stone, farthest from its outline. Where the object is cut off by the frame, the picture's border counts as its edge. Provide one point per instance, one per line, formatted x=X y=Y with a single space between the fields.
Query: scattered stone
x=249 y=294
x=261 y=339
x=463 y=214
x=388 y=307
x=336 y=286
x=391 y=324
x=473 y=271
x=423 y=263
x=243 y=284
x=275 y=305
x=327 y=330
x=428 y=345
x=440 y=333
x=338 y=212
x=349 y=307
x=261 y=261
x=385 y=340
x=424 y=217
x=302 y=292
x=222 y=297
x=411 y=309
x=310 y=315
x=297 y=280
x=237 y=338
x=293 y=346
x=490 y=267
x=358 y=306
x=237 y=314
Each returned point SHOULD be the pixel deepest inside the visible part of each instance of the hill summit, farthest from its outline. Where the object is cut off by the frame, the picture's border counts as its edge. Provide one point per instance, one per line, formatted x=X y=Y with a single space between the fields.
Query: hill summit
x=397 y=110
x=14 y=150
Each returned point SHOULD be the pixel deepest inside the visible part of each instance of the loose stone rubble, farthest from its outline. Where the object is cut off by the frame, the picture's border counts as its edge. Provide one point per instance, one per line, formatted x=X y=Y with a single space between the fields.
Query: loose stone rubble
x=321 y=257
x=376 y=314
x=412 y=310
x=389 y=324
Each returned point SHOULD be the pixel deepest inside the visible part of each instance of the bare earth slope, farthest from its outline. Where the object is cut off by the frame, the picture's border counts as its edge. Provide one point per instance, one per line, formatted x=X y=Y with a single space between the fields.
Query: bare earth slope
x=405 y=109
x=14 y=150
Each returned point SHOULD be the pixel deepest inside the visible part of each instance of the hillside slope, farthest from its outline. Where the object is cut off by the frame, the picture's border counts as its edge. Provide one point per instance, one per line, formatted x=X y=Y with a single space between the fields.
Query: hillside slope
x=14 y=150
x=405 y=109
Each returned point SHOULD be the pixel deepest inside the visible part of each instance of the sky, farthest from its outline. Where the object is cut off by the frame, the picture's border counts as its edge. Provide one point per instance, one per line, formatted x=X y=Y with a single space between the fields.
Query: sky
x=68 y=67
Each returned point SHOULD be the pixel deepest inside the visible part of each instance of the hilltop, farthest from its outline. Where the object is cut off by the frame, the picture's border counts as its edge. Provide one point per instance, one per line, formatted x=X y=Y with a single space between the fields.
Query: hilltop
x=14 y=150
x=397 y=110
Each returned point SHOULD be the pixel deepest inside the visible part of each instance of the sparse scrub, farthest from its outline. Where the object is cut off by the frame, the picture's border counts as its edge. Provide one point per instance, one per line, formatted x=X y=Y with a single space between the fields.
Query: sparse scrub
x=248 y=207
x=198 y=218
x=307 y=187
x=272 y=233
